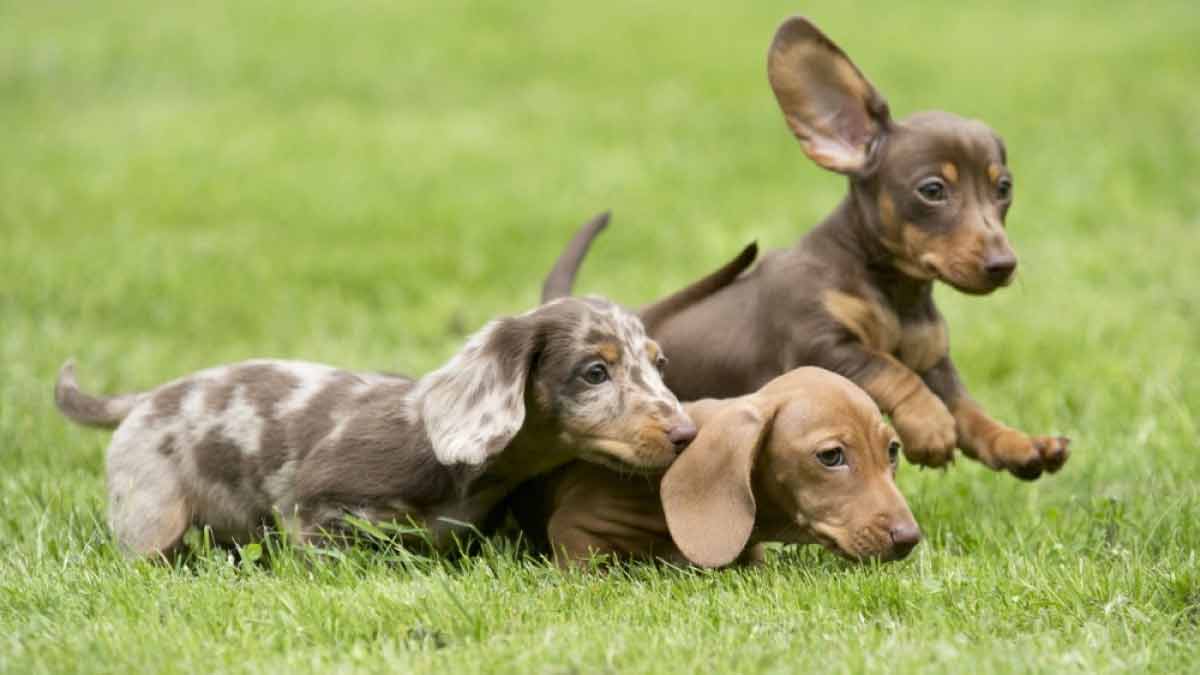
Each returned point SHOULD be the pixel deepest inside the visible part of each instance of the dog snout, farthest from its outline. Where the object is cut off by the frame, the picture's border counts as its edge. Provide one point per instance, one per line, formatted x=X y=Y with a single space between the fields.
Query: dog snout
x=999 y=267
x=681 y=434
x=905 y=537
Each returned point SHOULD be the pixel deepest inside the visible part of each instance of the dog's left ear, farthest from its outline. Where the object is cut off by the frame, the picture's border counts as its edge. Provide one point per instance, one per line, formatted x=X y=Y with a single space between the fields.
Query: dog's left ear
x=838 y=117
x=707 y=494
x=474 y=405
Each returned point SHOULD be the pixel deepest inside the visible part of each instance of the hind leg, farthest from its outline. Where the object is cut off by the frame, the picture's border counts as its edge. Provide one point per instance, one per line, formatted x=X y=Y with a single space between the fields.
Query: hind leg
x=147 y=507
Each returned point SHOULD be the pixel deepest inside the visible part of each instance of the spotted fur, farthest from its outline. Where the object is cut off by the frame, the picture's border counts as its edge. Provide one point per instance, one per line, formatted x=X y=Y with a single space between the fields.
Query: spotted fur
x=233 y=447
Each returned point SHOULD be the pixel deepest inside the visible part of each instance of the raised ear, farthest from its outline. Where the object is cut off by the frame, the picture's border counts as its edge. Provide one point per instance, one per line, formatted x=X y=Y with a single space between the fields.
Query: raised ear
x=707 y=494
x=473 y=406
x=831 y=108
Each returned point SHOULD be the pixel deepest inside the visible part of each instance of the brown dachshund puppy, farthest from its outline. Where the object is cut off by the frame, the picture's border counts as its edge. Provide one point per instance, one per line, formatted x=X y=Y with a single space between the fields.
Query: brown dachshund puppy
x=806 y=459
x=927 y=201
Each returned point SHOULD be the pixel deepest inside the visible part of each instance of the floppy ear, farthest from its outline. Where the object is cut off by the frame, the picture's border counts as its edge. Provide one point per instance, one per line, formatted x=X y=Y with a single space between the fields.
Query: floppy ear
x=831 y=108
x=474 y=405
x=707 y=493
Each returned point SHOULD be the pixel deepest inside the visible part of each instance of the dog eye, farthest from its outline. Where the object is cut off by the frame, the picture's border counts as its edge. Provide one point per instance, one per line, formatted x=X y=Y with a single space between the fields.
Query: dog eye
x=596 y=374
x=894 y=452
x=932 y=189
x=1004 y=188
x=832 y=457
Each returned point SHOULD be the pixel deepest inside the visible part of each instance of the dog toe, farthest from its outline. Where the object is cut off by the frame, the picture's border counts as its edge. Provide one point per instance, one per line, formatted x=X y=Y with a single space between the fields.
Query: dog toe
x=1029 y=471
x=1055 y=452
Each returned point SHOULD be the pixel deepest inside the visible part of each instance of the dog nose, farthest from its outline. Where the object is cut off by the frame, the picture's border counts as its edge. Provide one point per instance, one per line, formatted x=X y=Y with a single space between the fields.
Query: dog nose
x=999 y=268
x=905 y=538
x=681 y=434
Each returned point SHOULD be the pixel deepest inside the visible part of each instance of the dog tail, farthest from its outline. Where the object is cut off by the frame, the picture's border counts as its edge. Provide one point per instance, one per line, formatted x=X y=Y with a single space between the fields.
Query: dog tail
x=89 y=410
x=561 y=279
x=653 y=315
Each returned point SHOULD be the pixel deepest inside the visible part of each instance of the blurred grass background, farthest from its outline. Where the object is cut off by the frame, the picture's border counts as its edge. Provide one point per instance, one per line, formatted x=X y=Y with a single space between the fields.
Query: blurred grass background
x=363 y=184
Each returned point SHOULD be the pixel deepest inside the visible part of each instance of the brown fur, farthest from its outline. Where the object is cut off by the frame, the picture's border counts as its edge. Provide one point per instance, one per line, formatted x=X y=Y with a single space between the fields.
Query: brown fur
x=855 y=294
x=751 y=476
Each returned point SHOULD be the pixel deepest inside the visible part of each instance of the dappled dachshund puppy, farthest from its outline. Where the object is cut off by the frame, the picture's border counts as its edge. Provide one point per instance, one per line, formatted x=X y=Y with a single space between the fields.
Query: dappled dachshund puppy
x=806 y=459
x=927 y=201
x=234 y=447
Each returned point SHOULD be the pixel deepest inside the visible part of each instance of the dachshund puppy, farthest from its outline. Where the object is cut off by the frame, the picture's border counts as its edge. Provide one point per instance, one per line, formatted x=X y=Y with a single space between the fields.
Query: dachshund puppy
x=233 y=447
x=927 y=200
x=806 y=459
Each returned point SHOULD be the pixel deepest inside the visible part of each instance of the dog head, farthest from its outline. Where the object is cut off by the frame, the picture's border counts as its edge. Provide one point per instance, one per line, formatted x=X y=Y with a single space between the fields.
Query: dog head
x=808 y=458
x=934 y=188
x=576 y=373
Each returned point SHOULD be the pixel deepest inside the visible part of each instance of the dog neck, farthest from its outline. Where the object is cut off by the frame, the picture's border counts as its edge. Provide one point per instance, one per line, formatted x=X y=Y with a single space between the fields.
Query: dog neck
x=849 y=240
x=536 y=449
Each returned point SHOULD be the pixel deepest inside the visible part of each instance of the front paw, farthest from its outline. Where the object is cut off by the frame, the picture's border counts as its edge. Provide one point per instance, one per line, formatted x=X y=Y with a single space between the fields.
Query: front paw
x=1026 y=457
x=927 y=429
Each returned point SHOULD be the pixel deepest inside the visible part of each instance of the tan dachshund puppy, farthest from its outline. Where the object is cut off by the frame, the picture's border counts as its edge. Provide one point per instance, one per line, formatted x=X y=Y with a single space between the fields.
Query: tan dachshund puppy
x=806 y=459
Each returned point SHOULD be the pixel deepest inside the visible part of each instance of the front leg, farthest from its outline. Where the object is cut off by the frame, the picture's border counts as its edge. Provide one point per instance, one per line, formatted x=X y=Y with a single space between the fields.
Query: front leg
x=924 y=423
x=994 y=444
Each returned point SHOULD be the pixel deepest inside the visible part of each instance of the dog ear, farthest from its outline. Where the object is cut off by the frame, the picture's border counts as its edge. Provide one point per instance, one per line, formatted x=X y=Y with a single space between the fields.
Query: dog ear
x=707 y=494
x=474 y=405
x=829 y=105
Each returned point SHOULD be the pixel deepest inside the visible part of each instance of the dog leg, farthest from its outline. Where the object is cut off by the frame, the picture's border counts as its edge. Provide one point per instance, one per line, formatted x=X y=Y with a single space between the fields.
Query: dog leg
x=147 y=507
x=924 y=423
x=994 y=444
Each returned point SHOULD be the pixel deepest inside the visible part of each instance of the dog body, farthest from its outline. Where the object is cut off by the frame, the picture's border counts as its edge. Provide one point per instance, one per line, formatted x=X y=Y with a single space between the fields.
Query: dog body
x=927 y=200
x=806 y=459
x=233 y=447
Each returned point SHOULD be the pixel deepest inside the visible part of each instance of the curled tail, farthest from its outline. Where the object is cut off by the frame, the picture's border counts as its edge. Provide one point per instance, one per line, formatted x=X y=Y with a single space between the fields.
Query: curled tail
x=562 y=277
x=92 y=411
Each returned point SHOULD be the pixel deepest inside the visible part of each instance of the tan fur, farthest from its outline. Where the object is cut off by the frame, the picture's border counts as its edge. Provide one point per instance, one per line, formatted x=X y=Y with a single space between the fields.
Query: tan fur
x=923 y=344
x=994 y=172
x=610 y=352
x=750 y=476
x=874 y=325
x=950 y=172
x=922 y=419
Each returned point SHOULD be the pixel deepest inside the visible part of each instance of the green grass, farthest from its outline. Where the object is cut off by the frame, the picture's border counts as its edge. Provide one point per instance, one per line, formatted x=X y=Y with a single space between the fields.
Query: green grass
x=364 y=183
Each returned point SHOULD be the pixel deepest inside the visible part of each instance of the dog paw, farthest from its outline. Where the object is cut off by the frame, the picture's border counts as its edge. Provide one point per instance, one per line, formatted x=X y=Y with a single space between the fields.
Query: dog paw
x=1026 y=457
x=928 y=431
x=1054 y=450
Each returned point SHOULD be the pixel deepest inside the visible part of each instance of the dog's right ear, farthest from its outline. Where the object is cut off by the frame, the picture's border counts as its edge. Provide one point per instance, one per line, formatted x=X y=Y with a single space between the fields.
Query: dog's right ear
x=473 y=406
x=707 y=494
x=838 y=117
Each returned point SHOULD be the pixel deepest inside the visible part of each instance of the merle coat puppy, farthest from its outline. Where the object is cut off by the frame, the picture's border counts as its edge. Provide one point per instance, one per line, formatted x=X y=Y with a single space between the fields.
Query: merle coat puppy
x=233 y=448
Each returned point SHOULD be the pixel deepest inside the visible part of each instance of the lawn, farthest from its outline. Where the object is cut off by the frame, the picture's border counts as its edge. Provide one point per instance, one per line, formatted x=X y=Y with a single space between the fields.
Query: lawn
x=186 y=184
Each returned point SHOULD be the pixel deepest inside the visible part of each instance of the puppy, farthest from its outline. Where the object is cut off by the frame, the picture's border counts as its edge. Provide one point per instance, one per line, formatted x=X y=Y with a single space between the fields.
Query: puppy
x=807 y=458
x=233 y=447
x=927 y=200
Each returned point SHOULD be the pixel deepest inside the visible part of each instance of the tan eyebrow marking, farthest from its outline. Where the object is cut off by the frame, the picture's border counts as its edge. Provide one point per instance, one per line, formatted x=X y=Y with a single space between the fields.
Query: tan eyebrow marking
x=950 y=172
x=993 y=172
x=609 y=352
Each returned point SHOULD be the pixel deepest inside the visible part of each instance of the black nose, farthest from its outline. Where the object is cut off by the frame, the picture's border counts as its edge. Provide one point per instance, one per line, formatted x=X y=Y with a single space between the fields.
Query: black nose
x=681 y=434
x=905 y=538
x=999 y=268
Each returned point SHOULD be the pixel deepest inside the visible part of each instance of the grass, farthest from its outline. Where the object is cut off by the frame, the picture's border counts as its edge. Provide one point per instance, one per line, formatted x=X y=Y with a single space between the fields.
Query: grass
x=184 y=185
